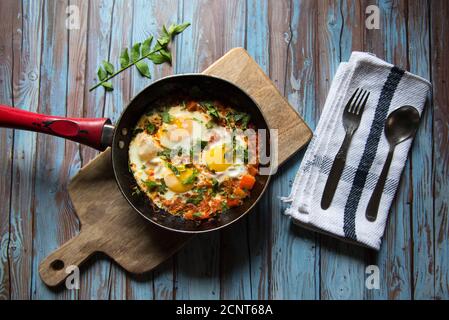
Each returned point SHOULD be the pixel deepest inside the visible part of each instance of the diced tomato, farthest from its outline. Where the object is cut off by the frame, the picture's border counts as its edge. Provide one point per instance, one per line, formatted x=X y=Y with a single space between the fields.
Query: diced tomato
x=188 y=215
x=252 y=170
x=239 y=193
x=247 y=182
x=232 y=202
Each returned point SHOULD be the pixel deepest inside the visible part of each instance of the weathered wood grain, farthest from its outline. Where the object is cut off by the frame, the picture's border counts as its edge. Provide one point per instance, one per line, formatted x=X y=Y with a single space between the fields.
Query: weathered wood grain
x=440 y=70
x=342 y=265
x=51 y=210
x=115 y=102
x=27 y=50
x=7 y=8
x=299 y=266
x=291 y=256
x=421 y=158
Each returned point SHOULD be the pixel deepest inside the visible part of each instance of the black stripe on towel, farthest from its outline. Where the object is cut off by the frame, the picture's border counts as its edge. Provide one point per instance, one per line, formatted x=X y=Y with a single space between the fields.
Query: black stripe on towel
x=370 y=151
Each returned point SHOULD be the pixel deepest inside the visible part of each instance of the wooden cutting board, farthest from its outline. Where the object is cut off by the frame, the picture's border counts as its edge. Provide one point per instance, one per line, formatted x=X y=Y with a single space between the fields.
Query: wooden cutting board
x=111 y=226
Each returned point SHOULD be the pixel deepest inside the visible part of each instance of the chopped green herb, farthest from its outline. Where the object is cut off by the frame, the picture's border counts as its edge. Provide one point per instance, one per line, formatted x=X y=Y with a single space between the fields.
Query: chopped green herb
x=215 y=186
x=191 y=179
x=154 y=186
x=245 y=121
x=198 y=214
x=165 y=154
x=224 y=206
x=150 y=128
x=198 y=120
x=166 y=117
x=172 y=168
x=210 y=124
x=210 y=109
x=195 y=199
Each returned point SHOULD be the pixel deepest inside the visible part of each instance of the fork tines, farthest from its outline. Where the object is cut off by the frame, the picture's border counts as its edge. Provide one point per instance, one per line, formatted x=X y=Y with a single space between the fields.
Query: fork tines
x=359 y=103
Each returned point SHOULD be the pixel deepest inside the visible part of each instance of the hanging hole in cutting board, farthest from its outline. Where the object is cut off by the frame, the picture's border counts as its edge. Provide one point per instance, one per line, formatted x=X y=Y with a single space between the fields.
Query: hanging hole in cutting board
x=57 y=265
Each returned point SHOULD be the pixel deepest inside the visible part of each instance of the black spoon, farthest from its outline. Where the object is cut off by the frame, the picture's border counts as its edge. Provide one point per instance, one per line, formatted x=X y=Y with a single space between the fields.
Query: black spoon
x=401 y=124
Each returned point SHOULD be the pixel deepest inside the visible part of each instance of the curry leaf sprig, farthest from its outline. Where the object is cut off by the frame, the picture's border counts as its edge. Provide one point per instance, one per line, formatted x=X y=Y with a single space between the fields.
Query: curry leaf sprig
x=136 y=56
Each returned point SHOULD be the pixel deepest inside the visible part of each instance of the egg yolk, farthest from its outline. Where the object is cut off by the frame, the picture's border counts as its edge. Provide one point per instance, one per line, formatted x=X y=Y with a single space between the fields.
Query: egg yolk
x=215 y=158
x=186 y=124
x=174 y=183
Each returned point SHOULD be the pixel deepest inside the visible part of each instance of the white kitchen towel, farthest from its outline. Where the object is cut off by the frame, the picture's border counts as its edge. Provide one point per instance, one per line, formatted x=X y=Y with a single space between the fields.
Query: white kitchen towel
x=390 y=88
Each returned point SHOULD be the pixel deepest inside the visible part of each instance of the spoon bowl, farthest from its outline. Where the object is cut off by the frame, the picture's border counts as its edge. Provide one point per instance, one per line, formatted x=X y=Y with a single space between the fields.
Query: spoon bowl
x=401 y=124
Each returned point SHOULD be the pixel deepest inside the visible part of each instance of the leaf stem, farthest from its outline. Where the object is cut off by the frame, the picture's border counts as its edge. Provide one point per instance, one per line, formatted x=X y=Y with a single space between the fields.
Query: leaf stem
x=123 y=69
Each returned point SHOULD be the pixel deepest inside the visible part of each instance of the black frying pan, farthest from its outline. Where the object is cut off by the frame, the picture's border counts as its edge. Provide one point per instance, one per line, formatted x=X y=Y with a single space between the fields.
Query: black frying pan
x=100 y=133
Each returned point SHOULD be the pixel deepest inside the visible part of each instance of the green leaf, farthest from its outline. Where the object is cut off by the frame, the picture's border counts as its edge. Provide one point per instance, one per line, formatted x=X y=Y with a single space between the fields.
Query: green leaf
x=146 y=46
x=124 y=58
x=164 y=39
x=135 y=52
x=142 y=66
x=166 y=117
x=157 y=58
x=166 y=54
x=108 y=86
x=108 y=67
x=177 y=28
x=102 y=74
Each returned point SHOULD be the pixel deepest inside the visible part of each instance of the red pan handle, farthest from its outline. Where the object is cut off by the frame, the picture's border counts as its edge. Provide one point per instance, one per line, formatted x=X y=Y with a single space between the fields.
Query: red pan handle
x=86 y=131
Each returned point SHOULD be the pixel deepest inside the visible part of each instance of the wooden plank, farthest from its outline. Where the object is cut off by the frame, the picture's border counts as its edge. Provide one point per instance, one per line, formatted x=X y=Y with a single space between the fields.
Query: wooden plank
x=421 y=158
x=292 y=256
x=51 y=227
x=440 y=70
x=6 y=140
x=197 y=264
x=394 y=258
x=259 y=226
x=27 y=50
x=95 y=281
x=115 y=102
x=342 y=265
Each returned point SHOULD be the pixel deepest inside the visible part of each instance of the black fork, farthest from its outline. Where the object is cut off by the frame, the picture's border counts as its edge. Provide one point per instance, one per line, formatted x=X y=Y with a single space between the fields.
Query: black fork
x=351 y=120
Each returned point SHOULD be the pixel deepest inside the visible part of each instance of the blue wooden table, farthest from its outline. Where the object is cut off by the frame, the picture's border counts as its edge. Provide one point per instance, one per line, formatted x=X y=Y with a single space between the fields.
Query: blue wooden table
x=48 y=68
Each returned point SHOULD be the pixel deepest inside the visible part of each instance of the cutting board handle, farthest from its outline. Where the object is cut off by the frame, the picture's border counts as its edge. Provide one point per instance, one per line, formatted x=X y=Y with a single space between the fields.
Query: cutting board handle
x=59 y=264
